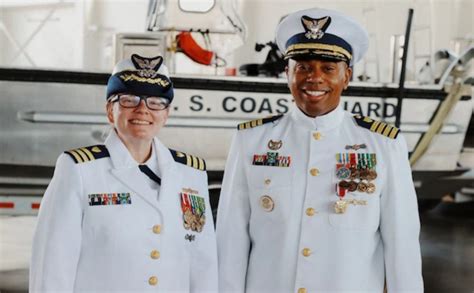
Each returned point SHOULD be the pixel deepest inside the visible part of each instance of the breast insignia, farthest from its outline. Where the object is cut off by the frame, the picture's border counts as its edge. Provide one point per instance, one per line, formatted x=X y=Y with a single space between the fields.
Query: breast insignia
x=258 y=122
x=189 y=160
x=377 y=126
x=89 y=153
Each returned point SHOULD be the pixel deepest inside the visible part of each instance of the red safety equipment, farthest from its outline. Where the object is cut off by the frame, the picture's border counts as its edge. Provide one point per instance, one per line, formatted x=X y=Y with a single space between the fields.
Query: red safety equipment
x=189 y=46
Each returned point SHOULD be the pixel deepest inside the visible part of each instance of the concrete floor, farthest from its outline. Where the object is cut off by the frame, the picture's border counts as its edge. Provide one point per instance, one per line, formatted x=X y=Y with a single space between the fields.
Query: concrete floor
x=447 y=245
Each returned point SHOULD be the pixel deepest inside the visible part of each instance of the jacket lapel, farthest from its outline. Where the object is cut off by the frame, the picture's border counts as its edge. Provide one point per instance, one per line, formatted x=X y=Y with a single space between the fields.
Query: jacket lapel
x=125 y=169
x=170 y=177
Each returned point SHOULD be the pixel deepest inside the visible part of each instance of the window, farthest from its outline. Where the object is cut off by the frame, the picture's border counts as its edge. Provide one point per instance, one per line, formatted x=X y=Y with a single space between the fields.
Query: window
x=196 y=5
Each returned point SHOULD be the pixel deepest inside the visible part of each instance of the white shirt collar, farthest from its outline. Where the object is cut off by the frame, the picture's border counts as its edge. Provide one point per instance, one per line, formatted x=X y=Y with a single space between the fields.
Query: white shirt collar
x=152 y=162
x=119 y=153
x=159 y=161
x=325 y=122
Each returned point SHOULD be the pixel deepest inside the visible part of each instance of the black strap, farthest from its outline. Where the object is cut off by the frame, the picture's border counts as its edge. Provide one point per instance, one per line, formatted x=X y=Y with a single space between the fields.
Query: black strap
x=145 y=169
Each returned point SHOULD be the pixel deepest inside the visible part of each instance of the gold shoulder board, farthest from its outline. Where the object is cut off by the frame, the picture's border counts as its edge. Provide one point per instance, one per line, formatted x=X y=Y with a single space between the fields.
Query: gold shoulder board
x=189 y=160
x=377 y=126
x=258 y=122
x=89 y=153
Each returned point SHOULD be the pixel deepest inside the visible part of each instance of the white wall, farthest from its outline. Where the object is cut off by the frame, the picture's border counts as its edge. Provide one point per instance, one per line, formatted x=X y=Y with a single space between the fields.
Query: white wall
x=47 y=45
x=78 y=35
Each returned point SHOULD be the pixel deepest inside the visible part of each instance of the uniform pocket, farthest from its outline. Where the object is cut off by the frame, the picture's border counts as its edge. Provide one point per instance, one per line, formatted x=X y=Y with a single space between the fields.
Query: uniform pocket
x=270 y=190
x=358 y=216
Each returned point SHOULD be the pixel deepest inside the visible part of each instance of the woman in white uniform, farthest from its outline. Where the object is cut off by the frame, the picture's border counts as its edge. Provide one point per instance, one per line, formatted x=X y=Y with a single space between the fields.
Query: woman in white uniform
x=130 y=215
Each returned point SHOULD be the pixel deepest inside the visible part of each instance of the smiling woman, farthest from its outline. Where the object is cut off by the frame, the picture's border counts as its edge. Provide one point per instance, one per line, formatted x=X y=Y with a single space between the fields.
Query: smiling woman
x=133 y=181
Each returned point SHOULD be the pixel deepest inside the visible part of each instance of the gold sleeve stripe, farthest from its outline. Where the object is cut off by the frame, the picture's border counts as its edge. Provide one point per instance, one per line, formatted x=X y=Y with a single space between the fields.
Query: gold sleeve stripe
x=393 y=133
x=82 y=154
x=257 y=122
x=88 y=153
x=195 y=162
x=387 y=130
x=189 y=160
x=76 y=156
x=374 y=126
x=201 y=164
x=381 y=128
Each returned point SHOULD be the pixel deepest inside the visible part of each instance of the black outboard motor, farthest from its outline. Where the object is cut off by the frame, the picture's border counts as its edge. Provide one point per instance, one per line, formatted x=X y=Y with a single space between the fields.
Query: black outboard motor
x=272 y=67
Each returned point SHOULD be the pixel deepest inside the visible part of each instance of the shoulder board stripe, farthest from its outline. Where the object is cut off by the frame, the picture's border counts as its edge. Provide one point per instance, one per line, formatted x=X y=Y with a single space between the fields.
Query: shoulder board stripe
x=387 y=130
x=381 y=128
x=75 y=156
x=377 y=126
x=88 y=154
x=83 y=155
x=258 y=122
x=189 y=160
x=393 y=133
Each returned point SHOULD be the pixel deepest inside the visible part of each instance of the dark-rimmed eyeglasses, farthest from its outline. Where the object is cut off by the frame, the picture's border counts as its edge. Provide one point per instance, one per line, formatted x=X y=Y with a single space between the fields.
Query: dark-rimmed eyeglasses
x=132 y=101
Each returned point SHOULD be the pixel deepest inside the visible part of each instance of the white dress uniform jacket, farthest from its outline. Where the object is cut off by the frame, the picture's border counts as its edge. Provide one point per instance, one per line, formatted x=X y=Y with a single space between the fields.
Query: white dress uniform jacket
x=302 y=245
x=140 y=245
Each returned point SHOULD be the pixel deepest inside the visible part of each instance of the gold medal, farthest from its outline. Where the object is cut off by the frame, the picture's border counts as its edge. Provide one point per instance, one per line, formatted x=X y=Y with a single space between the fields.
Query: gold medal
x=352 y=186
x=362 y=187
x=371 y=175
x=188 y=219
x=363 y=174
x=343 y=184
x=370 y=187
x=340 y=206
x=267 y=204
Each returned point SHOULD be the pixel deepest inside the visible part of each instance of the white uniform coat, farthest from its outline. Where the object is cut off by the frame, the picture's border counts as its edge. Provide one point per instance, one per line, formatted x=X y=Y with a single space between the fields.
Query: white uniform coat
x=261 y=251
x=83 y=248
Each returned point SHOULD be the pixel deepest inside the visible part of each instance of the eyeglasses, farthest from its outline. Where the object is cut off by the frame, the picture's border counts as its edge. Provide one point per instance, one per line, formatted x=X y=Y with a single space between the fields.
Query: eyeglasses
x=132 y=101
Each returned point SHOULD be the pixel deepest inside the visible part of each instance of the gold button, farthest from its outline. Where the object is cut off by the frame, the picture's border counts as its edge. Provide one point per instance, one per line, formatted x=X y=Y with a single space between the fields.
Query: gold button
x=302 y=290
x=314 y=172
x=153 y=281
x=155 y=254
x=317 y=135
x=310 y=212
x=157 y=229
x=268 y=181
x=306 y=252
x=267 y=203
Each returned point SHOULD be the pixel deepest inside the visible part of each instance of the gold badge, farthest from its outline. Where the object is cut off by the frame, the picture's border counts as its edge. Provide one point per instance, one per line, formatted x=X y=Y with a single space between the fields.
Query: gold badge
x=96 y=149
x=356 y=147
x=274 y=145
x=267 y=203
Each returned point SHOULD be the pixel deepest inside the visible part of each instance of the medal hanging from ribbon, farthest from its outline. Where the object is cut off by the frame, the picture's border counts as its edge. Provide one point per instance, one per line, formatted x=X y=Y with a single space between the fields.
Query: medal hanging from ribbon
x=355 y=172
x=194 y=209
